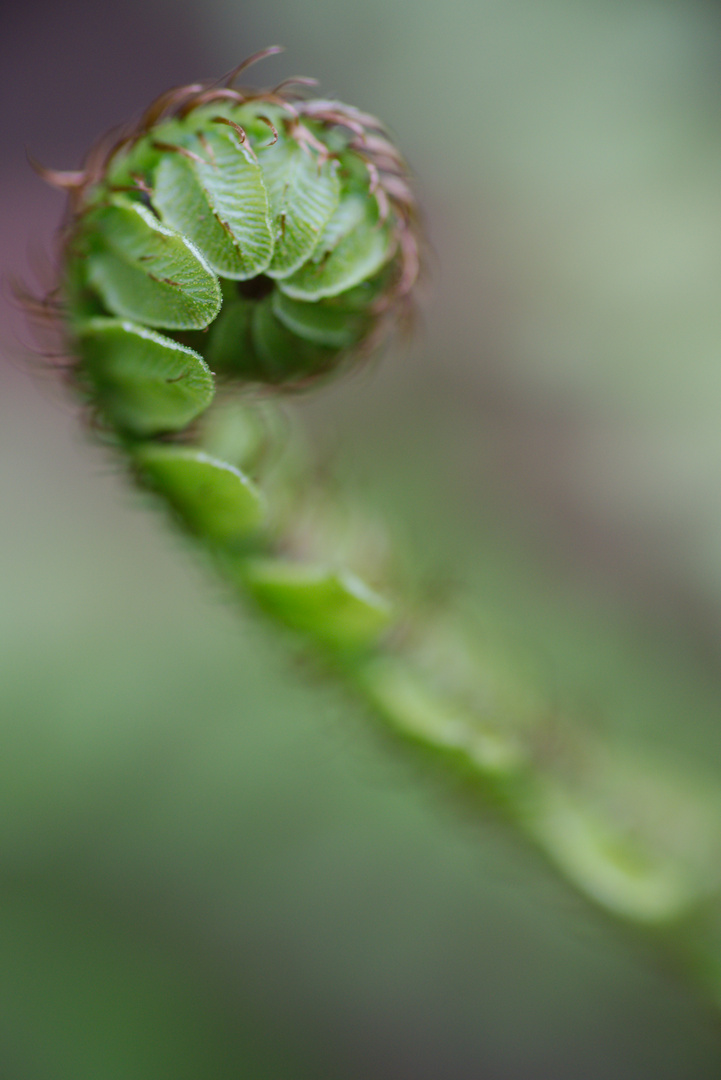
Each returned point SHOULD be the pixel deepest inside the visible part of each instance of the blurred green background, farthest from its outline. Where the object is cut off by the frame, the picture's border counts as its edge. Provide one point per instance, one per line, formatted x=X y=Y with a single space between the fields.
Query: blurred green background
x=211 y=864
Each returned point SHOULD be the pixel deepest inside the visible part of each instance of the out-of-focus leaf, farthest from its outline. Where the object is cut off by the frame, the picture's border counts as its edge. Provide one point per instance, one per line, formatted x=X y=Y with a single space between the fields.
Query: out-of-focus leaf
x=320 y=323
x=215 y=500
x=333 y=606
x=229 y=346
x=282 y=354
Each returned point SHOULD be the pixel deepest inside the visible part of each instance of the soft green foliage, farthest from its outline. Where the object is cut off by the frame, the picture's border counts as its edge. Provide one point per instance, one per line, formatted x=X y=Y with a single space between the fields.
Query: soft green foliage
x=417 y=710
x=232 y=204
x=303 y=196
x=335 y=326
x=350 y=251
x=261 y=240
x=148 y=272
x=212 y=498
x=221 y=206
x=278 y=349
x=333 y=607
x=142 y=381
x=608 y=864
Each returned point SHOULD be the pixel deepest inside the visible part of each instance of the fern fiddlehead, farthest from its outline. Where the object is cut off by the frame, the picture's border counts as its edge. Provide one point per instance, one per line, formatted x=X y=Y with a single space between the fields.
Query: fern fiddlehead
x=236 y=239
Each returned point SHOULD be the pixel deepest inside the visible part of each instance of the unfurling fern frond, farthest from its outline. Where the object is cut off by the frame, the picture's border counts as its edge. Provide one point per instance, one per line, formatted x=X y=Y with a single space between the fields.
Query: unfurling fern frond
x=235 y=239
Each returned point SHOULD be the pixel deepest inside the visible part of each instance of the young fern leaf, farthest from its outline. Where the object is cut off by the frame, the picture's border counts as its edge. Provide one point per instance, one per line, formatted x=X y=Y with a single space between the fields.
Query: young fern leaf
x=343 y=259
x=275 y=242
x=143 y=382
x=212 y=498
x=303 y=195
x=147 y=272
x=220 y=204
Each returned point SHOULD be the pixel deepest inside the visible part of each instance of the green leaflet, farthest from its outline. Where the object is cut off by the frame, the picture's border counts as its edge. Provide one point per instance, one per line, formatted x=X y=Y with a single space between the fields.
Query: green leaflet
x=220 y=202
x=214 y=499
x=361 y=296
x=146 y=272
x=320 y=323
x=303 y=193
x=349 y=215
x=282 y=356
x=354 y=246
x=144 y=382
x=398 y=689
x=606 y=860
x=333 y=606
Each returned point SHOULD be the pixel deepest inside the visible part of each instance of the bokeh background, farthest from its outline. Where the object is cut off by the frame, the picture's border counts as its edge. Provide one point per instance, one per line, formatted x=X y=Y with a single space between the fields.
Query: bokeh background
x=211 y=865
